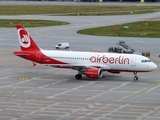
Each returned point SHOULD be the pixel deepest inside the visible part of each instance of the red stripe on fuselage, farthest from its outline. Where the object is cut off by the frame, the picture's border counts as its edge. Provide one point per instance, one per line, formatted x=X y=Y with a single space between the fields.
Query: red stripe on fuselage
x=37 y=57
x=110 y=70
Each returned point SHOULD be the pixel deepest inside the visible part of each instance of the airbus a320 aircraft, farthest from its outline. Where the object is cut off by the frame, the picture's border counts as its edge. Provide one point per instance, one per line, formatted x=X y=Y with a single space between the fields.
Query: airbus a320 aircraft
x=91 y=64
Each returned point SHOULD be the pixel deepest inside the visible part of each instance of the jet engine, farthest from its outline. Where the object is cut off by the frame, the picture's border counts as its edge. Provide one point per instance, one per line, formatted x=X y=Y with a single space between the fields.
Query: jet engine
x=93 y=72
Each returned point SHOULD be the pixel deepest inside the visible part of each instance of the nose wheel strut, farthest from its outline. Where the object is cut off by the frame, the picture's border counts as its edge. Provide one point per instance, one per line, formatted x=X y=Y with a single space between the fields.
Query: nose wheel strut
x=135 y=76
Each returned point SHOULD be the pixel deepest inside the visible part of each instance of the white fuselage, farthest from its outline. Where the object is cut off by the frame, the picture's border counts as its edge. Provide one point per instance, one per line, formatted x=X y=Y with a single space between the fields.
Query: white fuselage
x=105 y=61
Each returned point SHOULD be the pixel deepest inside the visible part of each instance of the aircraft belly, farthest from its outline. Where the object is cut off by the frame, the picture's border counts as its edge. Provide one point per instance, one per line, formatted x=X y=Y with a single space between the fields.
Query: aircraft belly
x=119 y=67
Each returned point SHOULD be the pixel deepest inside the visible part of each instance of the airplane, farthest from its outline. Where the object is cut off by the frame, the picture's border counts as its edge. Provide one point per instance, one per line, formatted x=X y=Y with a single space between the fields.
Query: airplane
x=91 y=64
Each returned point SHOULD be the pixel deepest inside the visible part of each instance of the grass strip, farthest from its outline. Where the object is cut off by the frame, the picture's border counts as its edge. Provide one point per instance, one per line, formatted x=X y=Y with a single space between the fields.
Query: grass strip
x=5 y=23
x=123 y=12
x=149 y=29
x=26 y=9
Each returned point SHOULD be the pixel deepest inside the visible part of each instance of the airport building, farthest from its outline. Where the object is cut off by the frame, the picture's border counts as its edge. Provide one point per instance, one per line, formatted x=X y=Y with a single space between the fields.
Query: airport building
x=120 y=0
x=107 y=0
x=104 y=0
x=97 y=0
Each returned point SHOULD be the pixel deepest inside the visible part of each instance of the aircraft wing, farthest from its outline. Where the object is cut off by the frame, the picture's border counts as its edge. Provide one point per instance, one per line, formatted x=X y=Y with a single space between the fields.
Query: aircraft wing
x=77 y=66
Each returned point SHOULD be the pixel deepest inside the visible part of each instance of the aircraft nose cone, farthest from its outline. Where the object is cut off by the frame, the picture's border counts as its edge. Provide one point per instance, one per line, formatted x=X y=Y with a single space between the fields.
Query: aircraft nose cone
x=154 y=66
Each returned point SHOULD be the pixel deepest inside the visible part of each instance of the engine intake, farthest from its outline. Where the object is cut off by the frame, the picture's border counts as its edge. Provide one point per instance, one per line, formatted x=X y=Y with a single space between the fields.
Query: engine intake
x=93 y=72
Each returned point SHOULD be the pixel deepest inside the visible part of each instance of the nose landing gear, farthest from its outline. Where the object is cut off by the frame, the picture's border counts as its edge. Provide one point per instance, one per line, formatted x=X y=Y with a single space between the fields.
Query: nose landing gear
x=135 y=76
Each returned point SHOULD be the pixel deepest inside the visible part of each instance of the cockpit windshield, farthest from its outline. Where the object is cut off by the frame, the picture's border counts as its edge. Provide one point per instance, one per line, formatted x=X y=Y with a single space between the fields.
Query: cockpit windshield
x=145 y=61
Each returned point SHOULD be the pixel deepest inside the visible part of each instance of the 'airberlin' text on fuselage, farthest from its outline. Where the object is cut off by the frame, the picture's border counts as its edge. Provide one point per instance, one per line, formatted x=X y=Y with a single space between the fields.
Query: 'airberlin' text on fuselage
x=111 y=60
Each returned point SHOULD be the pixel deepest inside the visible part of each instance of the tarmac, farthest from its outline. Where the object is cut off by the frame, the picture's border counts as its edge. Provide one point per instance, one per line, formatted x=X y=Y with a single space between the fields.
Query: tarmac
x=41 y=92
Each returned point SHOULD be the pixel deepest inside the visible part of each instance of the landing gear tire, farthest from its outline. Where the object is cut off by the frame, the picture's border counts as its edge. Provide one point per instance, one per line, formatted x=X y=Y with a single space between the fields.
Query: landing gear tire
x=135 y=78
x=78 y=76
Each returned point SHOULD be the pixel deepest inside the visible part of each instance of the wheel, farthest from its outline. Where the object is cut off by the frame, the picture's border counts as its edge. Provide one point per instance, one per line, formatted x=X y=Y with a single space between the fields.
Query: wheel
x=135 y=78
x=78 y=76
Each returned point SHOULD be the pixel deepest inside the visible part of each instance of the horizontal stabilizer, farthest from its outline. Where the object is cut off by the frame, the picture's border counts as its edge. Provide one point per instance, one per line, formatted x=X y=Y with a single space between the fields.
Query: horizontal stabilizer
x=21 y=53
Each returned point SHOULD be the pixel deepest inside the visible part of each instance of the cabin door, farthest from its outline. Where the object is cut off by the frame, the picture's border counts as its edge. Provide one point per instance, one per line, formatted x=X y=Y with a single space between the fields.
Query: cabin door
x=133 y=61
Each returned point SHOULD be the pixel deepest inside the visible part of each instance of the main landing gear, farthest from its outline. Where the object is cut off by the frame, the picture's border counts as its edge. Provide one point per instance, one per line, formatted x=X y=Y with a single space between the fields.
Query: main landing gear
x=78 y=76
x=135 y=76
x=80 y=72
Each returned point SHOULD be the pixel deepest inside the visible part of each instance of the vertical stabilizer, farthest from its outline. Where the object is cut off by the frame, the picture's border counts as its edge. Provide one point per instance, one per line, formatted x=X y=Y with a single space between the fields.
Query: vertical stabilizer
x=26 y=41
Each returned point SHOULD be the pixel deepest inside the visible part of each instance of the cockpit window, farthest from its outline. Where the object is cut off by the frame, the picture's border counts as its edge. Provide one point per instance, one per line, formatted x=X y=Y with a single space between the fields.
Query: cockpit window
x=144 y=61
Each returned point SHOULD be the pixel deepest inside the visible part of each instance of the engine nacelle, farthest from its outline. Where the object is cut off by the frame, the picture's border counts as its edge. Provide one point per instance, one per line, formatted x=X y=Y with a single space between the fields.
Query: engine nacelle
x=93 y=72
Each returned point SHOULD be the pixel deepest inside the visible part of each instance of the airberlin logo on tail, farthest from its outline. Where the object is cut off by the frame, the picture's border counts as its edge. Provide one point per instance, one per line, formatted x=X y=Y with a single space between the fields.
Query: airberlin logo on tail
x=24 y=38
x=111 y=60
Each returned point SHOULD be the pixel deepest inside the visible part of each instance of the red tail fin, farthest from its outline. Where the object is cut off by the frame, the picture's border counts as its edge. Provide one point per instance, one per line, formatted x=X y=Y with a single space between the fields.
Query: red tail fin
x=26 y=41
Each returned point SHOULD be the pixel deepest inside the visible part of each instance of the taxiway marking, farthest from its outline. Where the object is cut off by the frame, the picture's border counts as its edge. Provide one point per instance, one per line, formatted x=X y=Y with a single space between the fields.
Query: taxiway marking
x=108 y=90
x=71 y=89
x=128 y=96
x=9 y=94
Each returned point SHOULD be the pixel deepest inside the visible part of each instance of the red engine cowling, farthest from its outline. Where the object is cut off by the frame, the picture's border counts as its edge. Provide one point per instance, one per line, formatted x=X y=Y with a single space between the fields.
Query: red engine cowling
x=93 y=72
